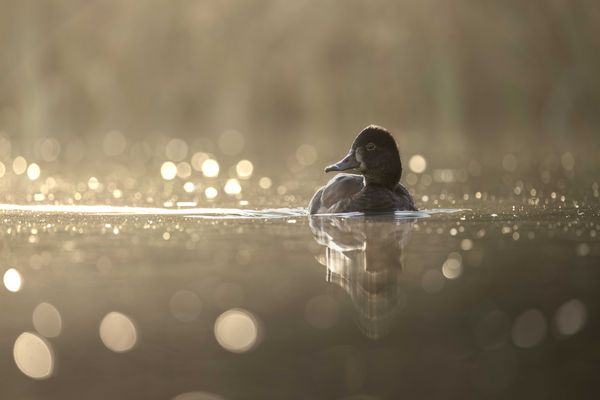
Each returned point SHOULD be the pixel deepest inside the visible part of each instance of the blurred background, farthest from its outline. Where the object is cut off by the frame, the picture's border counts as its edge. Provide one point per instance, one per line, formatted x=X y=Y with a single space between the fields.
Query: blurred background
x=88 y=85
x=196 y=104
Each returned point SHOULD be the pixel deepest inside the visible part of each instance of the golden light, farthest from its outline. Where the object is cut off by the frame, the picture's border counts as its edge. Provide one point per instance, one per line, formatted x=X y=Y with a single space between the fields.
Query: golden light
x=184 y=170
x=19 y=165
x=93 y=183
x=236 y=330
x=452 y=267
x=33 y=356
x=232 y=187
x=176 y=149
x=2 y=169
x=118 y=332
x=13 y=280
x=244 y=169
x=466 y=244
x=210 y=192
x=265 y=182
x=189 y=187
x=210 y=168
x=47 y=320
x=198 y=159
x=168 y=171
x=417 y=164
x=33 y=171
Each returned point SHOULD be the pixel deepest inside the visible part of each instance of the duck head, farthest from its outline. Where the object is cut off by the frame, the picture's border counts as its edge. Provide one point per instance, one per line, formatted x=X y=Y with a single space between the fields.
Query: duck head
x=375 y=155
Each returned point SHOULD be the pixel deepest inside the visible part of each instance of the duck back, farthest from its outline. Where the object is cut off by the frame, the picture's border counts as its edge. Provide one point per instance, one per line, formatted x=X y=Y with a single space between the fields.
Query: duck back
x=348 y=193
x=341 y=187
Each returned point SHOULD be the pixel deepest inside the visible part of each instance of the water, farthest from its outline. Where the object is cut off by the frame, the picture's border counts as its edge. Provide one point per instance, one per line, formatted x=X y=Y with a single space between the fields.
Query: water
x=122 y=303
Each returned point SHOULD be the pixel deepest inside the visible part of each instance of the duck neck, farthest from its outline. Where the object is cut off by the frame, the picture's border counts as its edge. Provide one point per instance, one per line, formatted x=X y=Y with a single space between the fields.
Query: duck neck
x=385 y=174
x=379 y=181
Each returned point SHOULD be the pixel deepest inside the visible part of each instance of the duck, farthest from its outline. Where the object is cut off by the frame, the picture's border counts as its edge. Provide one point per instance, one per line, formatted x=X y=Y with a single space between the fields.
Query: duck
x=375 y=188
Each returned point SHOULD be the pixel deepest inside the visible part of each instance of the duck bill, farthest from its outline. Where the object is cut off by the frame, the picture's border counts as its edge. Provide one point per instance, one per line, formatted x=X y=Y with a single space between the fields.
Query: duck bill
x=349 y=162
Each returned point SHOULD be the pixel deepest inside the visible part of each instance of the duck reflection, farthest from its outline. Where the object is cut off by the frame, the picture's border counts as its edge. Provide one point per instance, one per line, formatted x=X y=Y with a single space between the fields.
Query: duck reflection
x=364 y=257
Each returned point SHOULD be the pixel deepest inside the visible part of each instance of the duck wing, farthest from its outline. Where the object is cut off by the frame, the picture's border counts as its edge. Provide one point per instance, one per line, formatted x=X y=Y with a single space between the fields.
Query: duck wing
x=340 y=187
x=406 y=200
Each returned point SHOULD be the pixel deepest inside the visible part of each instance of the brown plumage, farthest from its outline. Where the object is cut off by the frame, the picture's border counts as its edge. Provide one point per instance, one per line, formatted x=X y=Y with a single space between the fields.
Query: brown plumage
x=374 y=154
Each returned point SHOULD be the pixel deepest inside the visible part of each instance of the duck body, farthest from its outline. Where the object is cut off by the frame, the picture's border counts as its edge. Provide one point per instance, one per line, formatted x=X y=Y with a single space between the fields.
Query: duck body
x=348 y=193
x=377 y=189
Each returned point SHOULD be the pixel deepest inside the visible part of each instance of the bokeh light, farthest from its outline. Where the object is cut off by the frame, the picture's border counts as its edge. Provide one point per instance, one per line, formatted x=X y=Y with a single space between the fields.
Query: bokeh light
x=244 y=169
x=570 y=317
x=33 y=171
x=232 y=187
x=210 y=168
x=118 y=332
x=452 y=267
x=184 y=170
x=417 y=164
x=211 y=192
x=265 y=182
x=93 y=183
x=189 y=187
x=198 y=159
x=168 y=170
x=49 y=149
x=236 y=330
x=47 y=320
x=185 y=305
x=13 y=280
x=176 y=149
x=567 y=160
x=34 y=356
x=529 y=329
x=466 y=244
x=19 y=165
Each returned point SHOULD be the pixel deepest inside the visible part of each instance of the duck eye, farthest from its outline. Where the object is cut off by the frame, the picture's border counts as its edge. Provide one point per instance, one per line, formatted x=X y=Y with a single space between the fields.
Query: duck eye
x=370 y=146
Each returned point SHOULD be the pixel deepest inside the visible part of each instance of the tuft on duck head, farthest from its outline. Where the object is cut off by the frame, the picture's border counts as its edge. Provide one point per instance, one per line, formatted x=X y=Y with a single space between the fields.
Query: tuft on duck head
x=375 y=155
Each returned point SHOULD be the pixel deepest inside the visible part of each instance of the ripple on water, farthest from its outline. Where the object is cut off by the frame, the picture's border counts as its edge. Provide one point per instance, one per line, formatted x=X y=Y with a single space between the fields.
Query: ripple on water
x=206 y=213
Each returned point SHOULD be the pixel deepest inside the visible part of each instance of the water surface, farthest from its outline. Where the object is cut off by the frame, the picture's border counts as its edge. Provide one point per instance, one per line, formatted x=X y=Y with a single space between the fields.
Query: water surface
x=237 y=304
